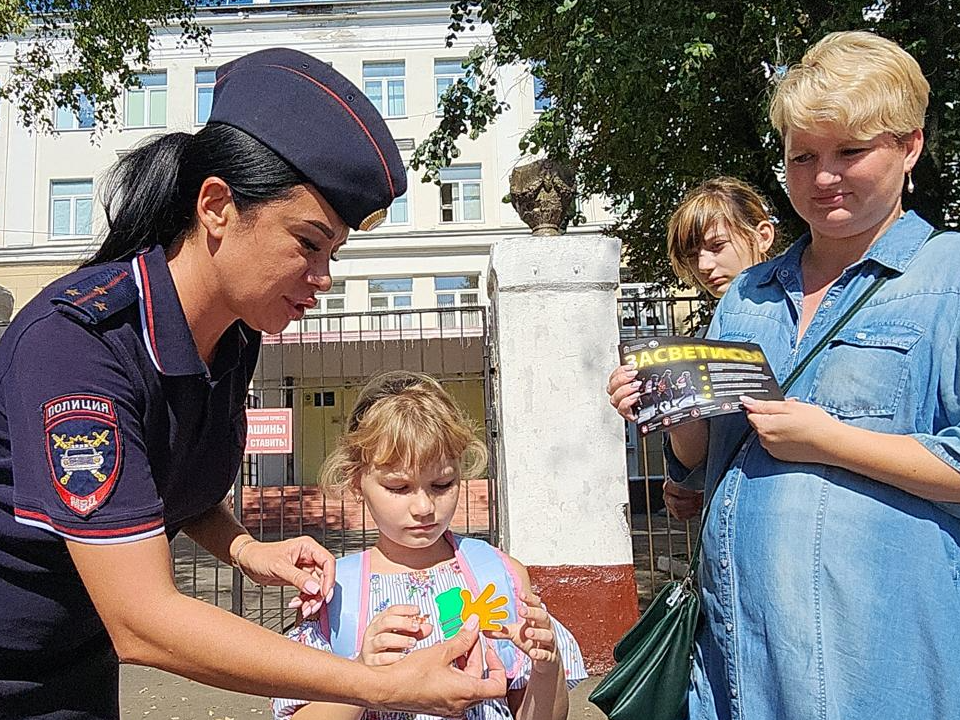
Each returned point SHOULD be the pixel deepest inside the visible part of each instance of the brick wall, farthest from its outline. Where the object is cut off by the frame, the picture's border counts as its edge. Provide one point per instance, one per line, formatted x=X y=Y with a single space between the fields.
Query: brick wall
x=264 y=507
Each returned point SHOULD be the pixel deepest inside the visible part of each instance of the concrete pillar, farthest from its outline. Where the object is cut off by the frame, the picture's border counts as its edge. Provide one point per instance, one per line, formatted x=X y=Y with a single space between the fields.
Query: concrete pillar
x=562 y=477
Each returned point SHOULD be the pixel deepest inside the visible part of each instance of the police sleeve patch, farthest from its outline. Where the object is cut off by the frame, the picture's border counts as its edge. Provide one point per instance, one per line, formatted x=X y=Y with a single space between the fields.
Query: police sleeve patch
x=83 y=449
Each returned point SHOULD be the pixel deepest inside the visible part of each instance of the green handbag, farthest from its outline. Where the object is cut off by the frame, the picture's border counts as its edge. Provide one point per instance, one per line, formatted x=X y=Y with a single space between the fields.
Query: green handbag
x=655 y=658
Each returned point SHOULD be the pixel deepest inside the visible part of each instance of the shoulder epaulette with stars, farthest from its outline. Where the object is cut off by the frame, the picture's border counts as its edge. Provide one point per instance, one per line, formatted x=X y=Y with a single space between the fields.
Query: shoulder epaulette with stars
x=98 y=296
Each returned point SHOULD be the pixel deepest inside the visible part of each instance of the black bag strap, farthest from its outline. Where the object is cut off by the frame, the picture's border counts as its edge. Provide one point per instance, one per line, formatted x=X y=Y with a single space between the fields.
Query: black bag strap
x=885 y=274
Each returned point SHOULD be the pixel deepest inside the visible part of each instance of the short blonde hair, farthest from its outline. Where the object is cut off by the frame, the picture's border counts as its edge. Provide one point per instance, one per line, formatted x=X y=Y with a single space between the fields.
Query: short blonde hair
x=859 y=81
x=407 y=419
x=735 y=202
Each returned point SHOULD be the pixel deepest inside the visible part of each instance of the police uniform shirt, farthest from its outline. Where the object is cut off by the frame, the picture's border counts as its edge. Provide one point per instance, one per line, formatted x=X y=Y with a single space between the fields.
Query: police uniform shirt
x=112 y=429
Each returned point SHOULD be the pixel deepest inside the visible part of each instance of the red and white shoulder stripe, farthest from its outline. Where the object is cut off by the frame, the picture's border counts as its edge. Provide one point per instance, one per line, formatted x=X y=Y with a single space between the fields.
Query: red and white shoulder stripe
x=91 y=536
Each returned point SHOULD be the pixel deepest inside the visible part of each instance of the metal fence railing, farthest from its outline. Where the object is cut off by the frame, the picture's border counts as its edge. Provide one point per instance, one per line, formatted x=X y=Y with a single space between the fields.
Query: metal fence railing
x=316 y=368
x=661 y=544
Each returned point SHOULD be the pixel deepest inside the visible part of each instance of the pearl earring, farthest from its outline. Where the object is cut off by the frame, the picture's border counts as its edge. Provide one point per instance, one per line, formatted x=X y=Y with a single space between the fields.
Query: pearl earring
x=910 y=185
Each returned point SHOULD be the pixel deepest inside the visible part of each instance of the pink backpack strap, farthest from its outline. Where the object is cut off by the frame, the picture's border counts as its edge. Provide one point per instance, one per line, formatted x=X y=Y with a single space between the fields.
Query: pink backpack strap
x=364 y=599
x=481 y=564
x=512 y=572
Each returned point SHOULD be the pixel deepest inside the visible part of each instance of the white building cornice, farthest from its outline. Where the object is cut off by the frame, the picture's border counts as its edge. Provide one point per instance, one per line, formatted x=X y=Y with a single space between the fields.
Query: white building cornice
x=422 y=243
x=60 y=252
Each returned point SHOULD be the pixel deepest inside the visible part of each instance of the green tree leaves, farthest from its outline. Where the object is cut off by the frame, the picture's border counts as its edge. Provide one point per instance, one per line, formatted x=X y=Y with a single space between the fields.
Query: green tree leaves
x=70 y=50
x=650 y=97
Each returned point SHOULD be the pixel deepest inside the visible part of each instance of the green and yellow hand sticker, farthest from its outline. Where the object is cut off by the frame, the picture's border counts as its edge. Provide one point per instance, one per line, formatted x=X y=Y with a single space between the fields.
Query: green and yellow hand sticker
x=456 y=605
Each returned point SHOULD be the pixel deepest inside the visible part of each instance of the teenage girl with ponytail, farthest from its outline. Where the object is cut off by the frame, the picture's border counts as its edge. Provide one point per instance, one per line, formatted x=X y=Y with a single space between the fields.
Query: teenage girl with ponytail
x=122 y=389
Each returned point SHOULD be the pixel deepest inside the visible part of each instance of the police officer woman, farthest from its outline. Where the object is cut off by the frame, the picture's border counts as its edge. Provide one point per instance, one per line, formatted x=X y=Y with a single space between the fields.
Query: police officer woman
x=122 y=390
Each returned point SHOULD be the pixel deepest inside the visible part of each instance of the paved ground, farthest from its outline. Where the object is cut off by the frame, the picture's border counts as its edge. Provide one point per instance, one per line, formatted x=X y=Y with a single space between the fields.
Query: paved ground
x=156 y=695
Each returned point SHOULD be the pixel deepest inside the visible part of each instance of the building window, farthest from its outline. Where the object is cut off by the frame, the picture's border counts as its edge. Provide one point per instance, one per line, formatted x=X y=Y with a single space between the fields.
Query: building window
x=330 y=302
x=399 y=212
x=391 y=294
x=147 y=105
x=458 y=291
x=326 y=398
x=446 y=71
x=383 y=83
x=460 y=194
x=71 y=208
x=205 y=80
x=541 y=101
x=66 y=119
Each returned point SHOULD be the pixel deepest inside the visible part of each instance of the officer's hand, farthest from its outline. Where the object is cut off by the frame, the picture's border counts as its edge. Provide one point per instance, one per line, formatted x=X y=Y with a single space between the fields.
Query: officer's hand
x=300 y=561
x=444 y=679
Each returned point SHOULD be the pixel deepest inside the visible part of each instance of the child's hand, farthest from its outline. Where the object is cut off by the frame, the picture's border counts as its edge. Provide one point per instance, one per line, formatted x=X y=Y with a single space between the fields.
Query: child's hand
x=534 y=636
x=392 y=634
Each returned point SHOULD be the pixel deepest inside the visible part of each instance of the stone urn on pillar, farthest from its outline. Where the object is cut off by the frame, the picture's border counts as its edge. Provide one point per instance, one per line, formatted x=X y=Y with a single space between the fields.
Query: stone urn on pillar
x=541 y=192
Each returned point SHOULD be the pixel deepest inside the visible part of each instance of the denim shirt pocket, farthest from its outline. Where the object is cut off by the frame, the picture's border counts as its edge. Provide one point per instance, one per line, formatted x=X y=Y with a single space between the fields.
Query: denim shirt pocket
x=865 y=369
x=740 y=336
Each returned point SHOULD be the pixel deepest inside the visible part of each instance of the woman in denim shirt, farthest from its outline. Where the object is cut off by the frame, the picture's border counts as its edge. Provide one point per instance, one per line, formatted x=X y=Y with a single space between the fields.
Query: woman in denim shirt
x=831 y=568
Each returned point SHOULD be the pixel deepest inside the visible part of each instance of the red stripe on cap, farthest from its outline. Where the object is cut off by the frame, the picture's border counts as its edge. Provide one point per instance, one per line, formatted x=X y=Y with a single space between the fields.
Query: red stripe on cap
x=383 y=161
x=84 y=532
x=148 y=306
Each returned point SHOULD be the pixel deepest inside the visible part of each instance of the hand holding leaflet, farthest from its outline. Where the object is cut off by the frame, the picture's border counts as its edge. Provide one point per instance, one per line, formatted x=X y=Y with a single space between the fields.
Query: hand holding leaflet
x=680 y=379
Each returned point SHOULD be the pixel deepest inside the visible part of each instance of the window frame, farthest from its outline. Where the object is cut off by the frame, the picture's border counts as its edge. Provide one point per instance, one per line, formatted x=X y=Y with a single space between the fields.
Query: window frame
x=148 y=91
x=384 y=82
x=73 y=198
x=390 y=222
x=538 y=96
x=447 y=75
x=660 y=308
x=75 y=123
x=457 y=317
x=455 y=203
x=197 y=85
x=392 y=319
x=317 y=314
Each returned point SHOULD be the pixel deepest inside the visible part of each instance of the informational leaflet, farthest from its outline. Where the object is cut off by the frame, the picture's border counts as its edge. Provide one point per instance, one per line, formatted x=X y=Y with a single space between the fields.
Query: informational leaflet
x=683 y=378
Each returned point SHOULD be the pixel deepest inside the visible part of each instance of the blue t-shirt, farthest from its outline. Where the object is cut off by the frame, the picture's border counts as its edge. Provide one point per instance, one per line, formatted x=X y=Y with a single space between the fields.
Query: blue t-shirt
x=112 y=429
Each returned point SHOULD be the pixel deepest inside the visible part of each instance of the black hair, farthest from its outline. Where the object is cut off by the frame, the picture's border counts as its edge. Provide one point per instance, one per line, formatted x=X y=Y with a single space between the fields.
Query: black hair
x=150 y=194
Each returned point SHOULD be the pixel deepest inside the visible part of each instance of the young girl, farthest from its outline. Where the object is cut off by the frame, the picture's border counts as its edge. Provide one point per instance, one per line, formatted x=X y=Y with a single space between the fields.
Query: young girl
x=405 y=452
x=718 y=230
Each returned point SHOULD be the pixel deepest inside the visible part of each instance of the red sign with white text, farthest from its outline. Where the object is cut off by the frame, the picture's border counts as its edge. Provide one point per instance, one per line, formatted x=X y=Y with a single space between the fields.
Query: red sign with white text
x=269 y=431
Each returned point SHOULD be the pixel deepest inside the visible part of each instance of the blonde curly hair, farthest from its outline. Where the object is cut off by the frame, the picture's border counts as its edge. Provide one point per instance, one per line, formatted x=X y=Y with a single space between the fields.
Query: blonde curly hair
x=403 y=419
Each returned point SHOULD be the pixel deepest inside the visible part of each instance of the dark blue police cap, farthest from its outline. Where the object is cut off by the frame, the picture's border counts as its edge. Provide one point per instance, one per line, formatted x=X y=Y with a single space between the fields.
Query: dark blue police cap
x=320 y=123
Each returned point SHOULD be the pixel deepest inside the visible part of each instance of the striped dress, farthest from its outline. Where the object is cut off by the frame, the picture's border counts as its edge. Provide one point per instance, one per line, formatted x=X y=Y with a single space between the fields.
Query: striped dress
x=420 y=587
